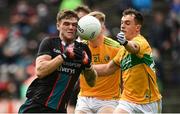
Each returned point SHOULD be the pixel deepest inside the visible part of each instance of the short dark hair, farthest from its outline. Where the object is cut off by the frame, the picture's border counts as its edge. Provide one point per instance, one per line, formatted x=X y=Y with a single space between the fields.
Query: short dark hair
x=66 y=14
x=138 y=16
x=83 y=8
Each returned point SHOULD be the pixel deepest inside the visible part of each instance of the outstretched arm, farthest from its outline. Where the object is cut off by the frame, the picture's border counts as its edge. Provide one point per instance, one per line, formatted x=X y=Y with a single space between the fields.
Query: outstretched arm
x=90 y=76
x=105 y=69
x=88 y=70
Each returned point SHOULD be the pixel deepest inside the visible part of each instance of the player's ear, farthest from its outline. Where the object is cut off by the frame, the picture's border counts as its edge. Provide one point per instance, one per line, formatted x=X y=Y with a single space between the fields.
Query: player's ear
x=57 y=26
x=103 y=28
x=138 y=27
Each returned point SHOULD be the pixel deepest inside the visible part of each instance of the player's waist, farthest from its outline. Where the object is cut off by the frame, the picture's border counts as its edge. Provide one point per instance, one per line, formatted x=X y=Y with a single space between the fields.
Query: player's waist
x=101 y=96
x=140 y=100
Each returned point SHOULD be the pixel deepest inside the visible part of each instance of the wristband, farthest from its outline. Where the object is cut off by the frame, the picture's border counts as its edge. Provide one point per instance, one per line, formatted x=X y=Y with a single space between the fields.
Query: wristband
x=63 y=56
x=125 y=43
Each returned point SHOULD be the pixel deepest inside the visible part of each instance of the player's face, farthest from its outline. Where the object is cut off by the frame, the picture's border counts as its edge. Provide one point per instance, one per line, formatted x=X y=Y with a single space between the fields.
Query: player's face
x=129 y=26
x=67 y=28
x=81 y=14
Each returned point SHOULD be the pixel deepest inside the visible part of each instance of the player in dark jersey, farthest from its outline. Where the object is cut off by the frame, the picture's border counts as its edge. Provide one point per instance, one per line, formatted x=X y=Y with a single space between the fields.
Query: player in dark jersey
x=81 y=11
x=58 y=66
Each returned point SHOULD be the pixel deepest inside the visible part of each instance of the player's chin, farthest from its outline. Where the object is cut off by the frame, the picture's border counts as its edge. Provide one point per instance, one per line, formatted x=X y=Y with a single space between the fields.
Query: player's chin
x=123 y=31
x=70 y=36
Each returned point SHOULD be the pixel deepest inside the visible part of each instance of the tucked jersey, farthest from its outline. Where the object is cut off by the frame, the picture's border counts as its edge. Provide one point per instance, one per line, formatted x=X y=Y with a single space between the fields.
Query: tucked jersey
x=138 y=73
x=107 y=87
x=55 y=89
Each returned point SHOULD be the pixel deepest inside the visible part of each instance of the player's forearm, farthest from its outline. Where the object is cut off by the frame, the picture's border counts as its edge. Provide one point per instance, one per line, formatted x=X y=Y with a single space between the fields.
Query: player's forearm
x=44 y=68
x=132 y=47
x=102 y=70
x=90 y=76
x=99 y=69
x=105 y=69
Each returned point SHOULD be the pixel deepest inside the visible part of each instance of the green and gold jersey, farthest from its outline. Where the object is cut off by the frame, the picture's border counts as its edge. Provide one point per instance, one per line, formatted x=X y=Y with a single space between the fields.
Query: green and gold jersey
x=107 y=87
x=138 y=73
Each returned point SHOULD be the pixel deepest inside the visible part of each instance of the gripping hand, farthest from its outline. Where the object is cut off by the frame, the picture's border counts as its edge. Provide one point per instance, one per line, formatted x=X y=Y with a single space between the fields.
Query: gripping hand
x=71 y=52
x=83 y=56
x=83 y=53
x=86 y=60
x=121 y=38
x=68 y=53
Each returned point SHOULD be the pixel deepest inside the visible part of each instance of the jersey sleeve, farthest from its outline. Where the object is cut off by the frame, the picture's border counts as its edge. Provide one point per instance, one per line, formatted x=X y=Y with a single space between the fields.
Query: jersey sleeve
x=144 y=46
x=119 y=56
x=45 y=47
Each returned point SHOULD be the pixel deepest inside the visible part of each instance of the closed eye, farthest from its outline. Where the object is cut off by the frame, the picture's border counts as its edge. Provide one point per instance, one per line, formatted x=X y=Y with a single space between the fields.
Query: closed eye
x=127 y=22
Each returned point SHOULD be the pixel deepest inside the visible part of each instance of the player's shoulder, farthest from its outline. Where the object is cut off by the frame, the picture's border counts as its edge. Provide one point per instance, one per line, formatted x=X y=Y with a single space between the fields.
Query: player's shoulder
x=84 y=42
x=110 y=42
x=141 y=39
x=51 y=41
x=51 y=38
x=81 y=43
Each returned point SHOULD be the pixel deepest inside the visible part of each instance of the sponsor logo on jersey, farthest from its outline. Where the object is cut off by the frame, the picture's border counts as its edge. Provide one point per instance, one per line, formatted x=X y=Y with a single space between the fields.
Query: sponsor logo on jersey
x=106 y=58
x=67 y=70
x=69 y=67
x=57 y=51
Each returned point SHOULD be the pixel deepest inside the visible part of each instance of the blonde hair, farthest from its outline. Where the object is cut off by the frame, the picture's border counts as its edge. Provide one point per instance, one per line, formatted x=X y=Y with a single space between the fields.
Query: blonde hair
x=83 y=8
x=99 y=15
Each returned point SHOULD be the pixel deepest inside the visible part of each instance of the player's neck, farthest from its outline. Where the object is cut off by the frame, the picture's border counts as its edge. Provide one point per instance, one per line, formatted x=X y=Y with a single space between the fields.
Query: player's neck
x=97 y=42
x=66 y=41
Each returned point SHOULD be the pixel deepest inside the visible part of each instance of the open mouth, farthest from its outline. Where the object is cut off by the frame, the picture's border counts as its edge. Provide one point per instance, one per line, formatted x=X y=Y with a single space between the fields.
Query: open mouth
x=123 y=31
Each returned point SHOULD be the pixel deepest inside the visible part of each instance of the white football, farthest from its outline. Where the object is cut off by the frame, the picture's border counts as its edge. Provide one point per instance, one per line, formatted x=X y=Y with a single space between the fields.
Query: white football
x=88 y=27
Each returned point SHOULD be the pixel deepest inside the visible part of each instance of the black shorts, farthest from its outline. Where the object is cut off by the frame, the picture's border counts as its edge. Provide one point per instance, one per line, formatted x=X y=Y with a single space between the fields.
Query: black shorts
x=33 y=107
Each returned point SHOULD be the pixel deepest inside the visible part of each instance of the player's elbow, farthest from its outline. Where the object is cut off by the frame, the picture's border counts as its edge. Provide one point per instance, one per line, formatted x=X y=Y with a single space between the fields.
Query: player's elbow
x=132 y=48
x=135 y=48
x=40 y=74
x=90 y=77
x=91 y=82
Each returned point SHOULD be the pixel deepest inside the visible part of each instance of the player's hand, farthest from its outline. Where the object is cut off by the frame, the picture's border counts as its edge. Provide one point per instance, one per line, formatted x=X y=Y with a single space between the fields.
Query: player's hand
x=121 y=38
x=83 y=56
x=71 y=52
x=86 y=60
x=83 y=53
x=66 y=54
x=78 y=53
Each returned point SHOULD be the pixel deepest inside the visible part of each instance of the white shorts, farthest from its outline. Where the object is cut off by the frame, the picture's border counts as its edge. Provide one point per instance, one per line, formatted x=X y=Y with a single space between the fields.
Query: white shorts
x=154 y=107
x=93 y=105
